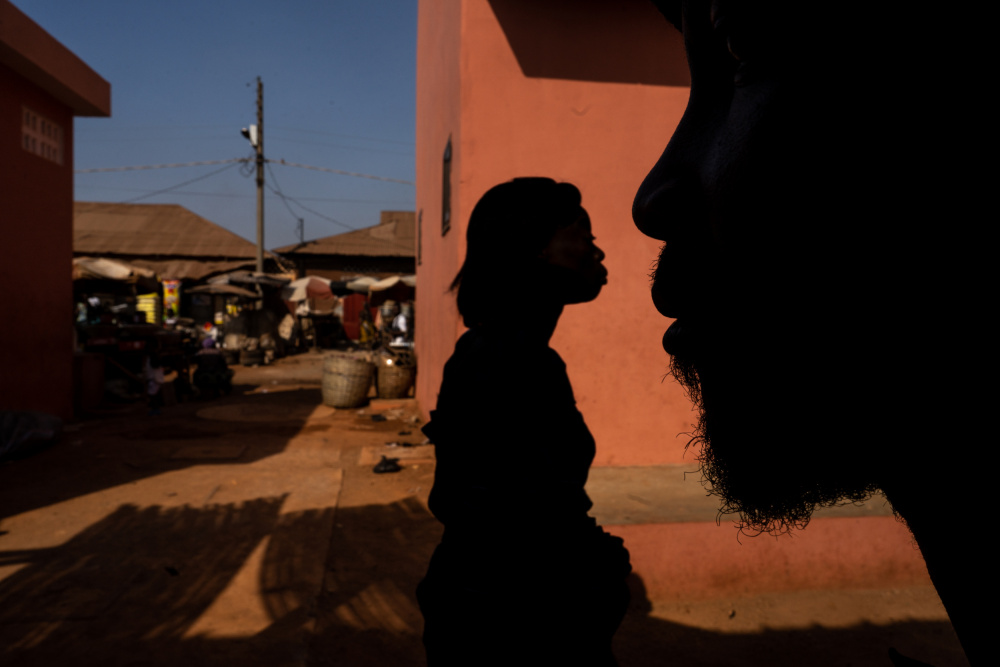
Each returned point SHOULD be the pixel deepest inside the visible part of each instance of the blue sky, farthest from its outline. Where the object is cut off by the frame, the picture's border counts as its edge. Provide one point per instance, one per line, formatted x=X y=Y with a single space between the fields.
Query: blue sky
x=339 y=93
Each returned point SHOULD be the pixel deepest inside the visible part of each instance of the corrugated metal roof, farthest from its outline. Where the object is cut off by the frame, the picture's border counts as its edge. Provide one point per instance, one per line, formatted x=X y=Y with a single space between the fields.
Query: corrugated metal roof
x=192 y=269
x=152 y=230
x=394 y=236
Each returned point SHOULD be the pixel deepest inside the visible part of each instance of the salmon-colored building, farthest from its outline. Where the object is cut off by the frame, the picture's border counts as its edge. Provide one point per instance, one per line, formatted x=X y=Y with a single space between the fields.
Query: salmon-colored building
x=589 y=92
x=42 y=87
x=584 y=92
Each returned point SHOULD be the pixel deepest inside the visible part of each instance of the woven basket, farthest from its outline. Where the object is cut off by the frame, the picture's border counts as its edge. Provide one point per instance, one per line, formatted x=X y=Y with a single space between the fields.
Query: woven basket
x=346 y=381
x=395 y=381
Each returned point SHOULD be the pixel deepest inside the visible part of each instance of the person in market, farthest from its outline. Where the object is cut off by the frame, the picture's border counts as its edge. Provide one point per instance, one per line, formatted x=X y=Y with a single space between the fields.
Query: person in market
x=212 y=374
x=522 y=574
x=154 y=379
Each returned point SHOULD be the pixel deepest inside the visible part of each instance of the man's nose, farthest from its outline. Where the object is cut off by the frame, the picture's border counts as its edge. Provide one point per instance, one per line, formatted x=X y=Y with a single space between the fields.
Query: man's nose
x=666 y=205
x=669 y=205
x=649 y=209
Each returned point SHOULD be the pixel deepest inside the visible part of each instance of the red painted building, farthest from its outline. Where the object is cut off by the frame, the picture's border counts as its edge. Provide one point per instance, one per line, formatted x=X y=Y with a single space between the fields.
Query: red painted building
x=43 y=86
x=585 y=92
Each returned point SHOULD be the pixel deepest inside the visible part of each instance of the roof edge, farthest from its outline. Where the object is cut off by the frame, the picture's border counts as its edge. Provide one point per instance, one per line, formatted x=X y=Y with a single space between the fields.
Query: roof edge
x=30 y=51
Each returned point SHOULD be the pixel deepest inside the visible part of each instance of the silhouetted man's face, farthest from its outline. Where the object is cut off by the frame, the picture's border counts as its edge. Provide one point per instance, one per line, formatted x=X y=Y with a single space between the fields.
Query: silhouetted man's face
x=760 y=199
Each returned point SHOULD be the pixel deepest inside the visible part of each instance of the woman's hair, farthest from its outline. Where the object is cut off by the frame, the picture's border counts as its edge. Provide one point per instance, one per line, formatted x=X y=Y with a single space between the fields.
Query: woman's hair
x=508 y=228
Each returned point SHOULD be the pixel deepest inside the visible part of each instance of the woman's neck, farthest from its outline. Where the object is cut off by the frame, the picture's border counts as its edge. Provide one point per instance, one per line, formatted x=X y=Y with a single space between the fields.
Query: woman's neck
x=533 y=326
x=539 y=323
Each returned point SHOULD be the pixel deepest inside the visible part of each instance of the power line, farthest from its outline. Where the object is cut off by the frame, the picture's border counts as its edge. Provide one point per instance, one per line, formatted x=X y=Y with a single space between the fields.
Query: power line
x=285 y=199
x=245 y=160
x=159 y=166
x=232 y=163
x=227 y=130
x=233 y=195
x=341 y=172
x=228 y=164
x=346 y=136
x=283 y=140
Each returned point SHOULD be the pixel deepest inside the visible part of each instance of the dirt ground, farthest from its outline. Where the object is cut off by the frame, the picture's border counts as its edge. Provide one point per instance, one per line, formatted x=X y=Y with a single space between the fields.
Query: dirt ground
x=251 y=530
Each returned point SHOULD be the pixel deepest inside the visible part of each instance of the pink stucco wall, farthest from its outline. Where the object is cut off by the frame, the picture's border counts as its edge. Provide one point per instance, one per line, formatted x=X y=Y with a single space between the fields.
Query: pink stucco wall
x=439 y=39
x=701 y=561
x=600 y=135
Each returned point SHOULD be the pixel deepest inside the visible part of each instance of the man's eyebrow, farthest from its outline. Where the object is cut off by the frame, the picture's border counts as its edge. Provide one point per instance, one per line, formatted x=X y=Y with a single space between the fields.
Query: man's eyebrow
x=671 y=9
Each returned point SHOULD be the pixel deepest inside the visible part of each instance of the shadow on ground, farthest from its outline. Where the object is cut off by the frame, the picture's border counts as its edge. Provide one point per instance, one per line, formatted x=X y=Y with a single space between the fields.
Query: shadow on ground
x=101 y=453
x=129 y=589
x=369 y=615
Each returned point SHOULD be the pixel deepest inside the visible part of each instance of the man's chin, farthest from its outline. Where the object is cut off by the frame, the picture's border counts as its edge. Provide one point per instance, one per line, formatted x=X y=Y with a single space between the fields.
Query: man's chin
x=771 y=497
x=767 y=449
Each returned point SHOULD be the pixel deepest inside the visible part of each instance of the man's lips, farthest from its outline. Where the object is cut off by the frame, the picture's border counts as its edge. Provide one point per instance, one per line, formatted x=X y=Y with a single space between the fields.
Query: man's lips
x=666 y=296
x=684 y=281
x=673 y=339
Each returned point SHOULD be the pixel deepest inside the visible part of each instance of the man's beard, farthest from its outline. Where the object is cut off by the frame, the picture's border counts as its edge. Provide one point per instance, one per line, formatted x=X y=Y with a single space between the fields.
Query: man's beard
x=774 y=435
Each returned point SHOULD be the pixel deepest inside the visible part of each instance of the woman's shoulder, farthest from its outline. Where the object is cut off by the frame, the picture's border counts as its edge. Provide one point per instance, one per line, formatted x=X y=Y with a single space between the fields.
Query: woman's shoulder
x=474 y=361
x=487 y=355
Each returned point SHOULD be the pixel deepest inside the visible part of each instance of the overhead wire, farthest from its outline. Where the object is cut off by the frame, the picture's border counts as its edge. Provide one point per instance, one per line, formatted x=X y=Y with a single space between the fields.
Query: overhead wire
x=382 y=140
x=276 y=189
x=341 y=172
x=285 y=199
x=180 y=185
x=244 y=160
x=246 y=169
x=158 y=166
x=234 y=195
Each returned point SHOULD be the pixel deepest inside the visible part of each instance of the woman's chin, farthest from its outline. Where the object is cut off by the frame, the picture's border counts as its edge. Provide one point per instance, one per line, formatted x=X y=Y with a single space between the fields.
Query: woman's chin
x=584 y=296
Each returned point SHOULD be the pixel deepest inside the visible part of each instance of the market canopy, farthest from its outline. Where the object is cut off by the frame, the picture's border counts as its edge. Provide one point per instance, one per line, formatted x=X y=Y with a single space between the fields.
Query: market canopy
x=310 y=287
x=97 y=268
x=395 y=288
x=87 y=269
x=250 y=278
x=222 y=288
x=361 y=284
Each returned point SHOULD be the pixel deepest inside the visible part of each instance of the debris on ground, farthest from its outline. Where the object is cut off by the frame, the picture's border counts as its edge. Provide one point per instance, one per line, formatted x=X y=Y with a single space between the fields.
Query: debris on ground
x=387 y=465
x=26 y=432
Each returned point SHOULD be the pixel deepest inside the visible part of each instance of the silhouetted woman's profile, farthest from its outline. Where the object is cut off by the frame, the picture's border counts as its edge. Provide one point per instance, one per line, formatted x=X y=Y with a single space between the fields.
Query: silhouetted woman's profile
x=523 y=576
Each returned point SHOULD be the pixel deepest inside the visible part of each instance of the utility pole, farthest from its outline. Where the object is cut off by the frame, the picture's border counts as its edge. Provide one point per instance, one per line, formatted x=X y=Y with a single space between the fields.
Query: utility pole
x=260 y=177
x=255 y=135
